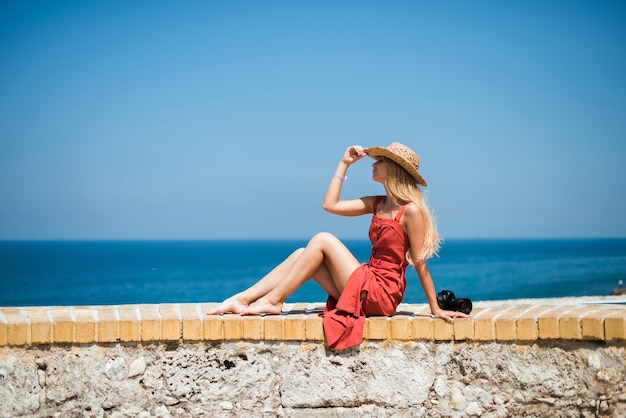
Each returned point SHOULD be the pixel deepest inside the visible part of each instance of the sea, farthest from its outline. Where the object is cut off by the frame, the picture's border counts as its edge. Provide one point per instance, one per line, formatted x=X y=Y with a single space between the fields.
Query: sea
x=64 y=273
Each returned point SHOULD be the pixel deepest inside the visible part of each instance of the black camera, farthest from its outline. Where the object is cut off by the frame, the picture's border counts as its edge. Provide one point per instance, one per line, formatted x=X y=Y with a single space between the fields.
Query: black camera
x=446 y=300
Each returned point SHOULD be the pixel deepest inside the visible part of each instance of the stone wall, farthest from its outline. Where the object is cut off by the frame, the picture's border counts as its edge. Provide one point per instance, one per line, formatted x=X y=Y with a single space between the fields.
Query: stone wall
x=275 y=367
x=412 y=379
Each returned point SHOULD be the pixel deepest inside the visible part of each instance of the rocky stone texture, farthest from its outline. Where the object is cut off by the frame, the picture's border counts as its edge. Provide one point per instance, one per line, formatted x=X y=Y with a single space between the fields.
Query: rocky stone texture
x=416 y=379
x=618 y=291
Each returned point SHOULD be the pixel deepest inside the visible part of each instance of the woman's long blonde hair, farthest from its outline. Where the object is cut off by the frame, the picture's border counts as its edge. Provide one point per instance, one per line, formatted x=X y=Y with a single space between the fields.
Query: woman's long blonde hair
x=402 y=189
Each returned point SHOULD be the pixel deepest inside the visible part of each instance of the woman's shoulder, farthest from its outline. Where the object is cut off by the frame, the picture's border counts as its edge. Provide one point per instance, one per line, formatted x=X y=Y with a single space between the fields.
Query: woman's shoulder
x=411 y=209
x=372 y=201
x=411 y=217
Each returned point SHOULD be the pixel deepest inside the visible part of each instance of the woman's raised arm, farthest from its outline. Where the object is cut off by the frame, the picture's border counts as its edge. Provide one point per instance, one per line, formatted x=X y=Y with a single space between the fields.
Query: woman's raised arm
x=332 y=198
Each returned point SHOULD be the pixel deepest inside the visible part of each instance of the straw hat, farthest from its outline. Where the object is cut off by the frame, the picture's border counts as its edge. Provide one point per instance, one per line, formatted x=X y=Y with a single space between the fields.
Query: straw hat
x=402 y=155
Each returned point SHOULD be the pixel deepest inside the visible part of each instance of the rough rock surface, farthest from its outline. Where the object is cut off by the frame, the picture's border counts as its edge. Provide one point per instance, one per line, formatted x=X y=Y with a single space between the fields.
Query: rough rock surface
x=416 y=379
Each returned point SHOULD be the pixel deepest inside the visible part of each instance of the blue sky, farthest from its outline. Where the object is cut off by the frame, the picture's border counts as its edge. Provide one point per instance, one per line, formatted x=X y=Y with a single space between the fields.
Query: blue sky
x=215 y=119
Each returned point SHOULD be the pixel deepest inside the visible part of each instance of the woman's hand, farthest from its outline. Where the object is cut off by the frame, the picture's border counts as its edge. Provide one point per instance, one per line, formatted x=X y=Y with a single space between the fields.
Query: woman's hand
x=449 y=315
x=353 y=154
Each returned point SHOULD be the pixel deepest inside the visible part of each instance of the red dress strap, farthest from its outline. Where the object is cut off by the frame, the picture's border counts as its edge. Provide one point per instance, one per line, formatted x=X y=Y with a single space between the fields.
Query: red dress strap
x=400 y=212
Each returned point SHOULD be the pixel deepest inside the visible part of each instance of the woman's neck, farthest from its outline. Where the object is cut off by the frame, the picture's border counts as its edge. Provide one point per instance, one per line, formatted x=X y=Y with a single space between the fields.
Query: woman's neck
x=389 y=204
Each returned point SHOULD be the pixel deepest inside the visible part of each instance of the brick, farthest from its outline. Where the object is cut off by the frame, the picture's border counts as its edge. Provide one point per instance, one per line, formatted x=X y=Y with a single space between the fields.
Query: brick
x=376 y=328
x=192 y=319
x=253 y=328
x=570 y=324
x=412 y=309
x=207 y=306
x=273 y=327
x=3 y=332
x=62 y=326
x=615 y=326
x=293 y=326
x=484 y=323
x=129 y=325
x=85 y=326
x=423 y=327
x=313 y=328
x=150 y=323
x=401 y=327
x=420 y=310
x=40 y=326
x=527 y=324
x=233 y=327
x=506 y=322
x=295 y=308
x=548 y=322
x=592 y=322
x=423 y=324
x=213 y=326
x=17 y=326
x=7 y=310
x=107 y=329
x=315 y=308
x=443 y=330
x=170 y=322
x=463 y=329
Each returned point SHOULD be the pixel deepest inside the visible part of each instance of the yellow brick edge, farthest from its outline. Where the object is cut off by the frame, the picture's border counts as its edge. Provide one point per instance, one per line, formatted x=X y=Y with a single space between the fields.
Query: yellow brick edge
x=29 y=326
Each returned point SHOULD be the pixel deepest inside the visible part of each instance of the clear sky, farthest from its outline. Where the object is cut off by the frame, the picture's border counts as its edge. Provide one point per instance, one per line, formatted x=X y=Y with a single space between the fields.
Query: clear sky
x=226 y=119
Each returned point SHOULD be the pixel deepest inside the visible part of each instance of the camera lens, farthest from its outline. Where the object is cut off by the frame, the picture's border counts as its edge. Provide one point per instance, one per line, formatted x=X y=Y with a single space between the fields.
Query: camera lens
x=464 y=305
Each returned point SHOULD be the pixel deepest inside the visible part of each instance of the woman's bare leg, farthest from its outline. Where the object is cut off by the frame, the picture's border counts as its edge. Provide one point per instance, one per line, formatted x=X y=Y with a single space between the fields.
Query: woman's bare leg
x=239 y=302
x=325 y=258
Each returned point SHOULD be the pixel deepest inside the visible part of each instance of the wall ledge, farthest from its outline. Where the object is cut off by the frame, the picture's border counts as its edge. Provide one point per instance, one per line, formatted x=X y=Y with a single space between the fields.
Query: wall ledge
x=523 y=320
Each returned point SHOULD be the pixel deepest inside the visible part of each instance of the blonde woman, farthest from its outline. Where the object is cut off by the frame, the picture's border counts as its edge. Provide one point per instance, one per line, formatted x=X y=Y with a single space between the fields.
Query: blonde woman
x=402 y=232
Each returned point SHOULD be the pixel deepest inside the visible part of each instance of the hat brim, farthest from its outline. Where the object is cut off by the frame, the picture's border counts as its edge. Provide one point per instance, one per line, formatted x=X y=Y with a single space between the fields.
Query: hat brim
x=375 y=152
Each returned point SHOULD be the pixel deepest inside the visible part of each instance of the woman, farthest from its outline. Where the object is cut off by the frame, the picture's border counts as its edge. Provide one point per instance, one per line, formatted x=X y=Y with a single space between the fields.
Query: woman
x=402 y=232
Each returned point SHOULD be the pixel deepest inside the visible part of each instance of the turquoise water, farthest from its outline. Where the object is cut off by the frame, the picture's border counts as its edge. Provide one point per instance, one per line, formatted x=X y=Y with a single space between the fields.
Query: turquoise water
x=108 y=272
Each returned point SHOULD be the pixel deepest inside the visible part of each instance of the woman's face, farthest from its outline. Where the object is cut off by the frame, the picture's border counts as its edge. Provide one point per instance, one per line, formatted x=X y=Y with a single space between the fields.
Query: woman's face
x=380 y=170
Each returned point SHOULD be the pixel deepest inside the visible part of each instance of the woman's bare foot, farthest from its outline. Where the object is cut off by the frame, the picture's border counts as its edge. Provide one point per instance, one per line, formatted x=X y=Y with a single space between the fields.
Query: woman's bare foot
x=263 y=306
x=232 y=304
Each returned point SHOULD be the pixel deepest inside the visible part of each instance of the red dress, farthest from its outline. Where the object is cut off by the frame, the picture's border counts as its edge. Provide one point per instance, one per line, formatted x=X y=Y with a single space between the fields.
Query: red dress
x=382 y=277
